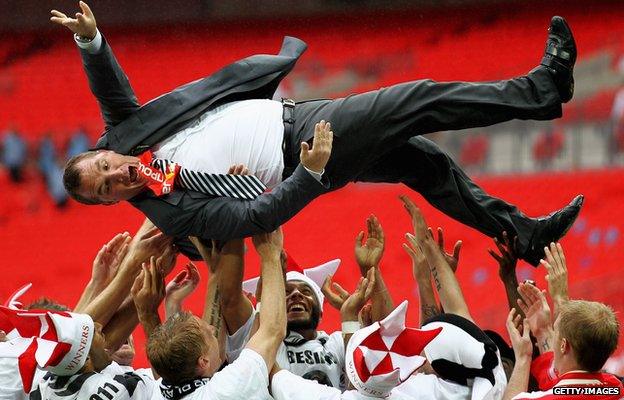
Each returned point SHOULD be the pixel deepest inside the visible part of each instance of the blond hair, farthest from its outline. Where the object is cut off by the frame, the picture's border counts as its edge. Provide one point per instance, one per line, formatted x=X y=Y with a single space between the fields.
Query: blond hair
x=174 y=348
x=592 y=330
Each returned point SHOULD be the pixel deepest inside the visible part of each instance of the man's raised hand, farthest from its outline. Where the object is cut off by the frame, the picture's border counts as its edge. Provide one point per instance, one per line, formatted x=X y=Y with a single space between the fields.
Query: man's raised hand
x=557 y=276
x=83 y=25
x=148 y=290
x=334 y=293
x=451 y=259
x=109 y=258
x=180 y=287
x=369 y=254
x=507 y=259
x=316 y=158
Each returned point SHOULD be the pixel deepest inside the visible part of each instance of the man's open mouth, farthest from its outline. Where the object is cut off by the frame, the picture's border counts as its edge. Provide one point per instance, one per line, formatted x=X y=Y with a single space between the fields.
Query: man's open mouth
x=297 y=307
x=133 y=174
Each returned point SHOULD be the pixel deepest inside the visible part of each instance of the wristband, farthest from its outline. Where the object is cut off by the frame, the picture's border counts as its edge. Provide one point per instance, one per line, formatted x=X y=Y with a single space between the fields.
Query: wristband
x=350 y=327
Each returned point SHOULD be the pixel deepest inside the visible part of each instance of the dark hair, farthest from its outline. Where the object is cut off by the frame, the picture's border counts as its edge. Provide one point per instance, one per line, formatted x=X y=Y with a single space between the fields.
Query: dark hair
x=72 y=180
x=44 y=303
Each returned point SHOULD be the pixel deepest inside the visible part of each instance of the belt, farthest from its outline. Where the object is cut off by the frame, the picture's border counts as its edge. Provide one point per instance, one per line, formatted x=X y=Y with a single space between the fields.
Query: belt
x=289 y=127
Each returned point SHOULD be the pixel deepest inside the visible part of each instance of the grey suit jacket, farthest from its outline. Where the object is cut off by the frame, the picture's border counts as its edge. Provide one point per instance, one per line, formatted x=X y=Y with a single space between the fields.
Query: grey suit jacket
x=131 y=129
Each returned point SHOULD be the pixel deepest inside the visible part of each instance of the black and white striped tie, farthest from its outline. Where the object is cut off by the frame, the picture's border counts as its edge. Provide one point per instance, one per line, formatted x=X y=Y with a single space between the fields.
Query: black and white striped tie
x=243 y=187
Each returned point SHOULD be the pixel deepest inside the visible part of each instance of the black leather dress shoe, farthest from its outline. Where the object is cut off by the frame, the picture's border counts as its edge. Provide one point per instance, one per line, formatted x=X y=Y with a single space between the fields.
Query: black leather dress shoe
x=552 y=228
x=560 y=56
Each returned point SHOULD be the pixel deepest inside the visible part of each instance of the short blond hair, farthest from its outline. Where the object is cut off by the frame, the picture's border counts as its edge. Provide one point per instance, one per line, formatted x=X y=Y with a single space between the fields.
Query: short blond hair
x=592 y=330
x=174 y=348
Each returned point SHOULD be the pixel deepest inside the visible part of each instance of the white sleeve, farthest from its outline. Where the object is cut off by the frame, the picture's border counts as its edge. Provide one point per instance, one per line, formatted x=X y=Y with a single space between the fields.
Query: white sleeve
x=286 y=386
x=335 y=344
x=92 y=46
x=246 y=378
x=236 y=342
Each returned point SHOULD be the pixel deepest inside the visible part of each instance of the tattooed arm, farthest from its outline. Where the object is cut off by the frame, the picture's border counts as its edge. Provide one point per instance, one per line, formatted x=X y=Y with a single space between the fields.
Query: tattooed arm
x=219 y=264
x=451 y=297
x=429 y=307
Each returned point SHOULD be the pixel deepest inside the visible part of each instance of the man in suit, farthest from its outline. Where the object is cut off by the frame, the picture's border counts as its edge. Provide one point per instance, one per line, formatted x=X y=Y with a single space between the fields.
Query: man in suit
x=377 y=139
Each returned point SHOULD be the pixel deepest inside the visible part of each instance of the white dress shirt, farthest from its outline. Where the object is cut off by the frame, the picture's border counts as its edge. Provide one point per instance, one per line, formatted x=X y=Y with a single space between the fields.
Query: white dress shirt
x=248 y=132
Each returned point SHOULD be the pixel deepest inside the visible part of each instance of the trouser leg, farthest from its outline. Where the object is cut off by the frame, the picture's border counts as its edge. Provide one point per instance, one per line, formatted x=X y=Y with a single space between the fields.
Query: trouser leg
x=368 y=125
x=423 y=167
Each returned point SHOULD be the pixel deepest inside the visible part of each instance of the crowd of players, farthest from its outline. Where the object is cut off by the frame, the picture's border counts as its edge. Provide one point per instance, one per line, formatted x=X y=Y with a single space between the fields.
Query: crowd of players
x=266 y=344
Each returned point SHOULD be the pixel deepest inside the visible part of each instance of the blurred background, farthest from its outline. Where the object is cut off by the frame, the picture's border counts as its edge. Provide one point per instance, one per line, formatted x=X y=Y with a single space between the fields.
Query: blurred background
x=47 y=114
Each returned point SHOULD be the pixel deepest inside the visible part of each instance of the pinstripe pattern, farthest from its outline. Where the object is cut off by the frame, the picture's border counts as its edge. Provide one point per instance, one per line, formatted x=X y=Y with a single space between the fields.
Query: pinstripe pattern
x=243 y=187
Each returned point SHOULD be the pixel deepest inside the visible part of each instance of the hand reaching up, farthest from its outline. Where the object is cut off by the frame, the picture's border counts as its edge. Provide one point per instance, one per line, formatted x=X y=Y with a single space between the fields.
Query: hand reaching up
x=368 y=253
x=83 y=25
x=557 y=276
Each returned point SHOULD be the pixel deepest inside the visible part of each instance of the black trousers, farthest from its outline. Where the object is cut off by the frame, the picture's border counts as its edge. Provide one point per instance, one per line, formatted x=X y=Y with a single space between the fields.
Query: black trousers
x=376 y=139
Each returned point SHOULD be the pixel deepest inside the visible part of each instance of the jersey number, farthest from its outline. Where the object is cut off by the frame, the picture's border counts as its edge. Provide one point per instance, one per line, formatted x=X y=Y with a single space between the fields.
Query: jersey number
x=102 y=391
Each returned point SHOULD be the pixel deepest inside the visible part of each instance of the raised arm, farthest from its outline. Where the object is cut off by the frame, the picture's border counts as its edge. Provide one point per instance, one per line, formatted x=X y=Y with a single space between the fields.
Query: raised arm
x=179 y=288
x=225 y=218
x=105 y=305
x=272 y=329
x=557 y=276
x=535 y=307
x=105 y=267
x=507 y=261
x=429 y=307
x=451 y=296
x=368 y=255
x=523 y=350
x=107 y=80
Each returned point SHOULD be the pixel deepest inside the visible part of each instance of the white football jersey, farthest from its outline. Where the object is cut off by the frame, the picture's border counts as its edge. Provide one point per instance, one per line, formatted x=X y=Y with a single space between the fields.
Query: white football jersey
x=321 y=359
x=112 y=383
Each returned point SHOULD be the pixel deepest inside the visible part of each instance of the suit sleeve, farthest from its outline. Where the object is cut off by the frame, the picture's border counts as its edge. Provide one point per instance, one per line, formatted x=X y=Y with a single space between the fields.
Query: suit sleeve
x=224 y=218
x=109 y=84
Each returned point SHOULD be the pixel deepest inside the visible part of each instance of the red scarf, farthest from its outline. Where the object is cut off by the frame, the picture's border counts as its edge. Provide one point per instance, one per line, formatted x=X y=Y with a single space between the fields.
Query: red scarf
x=160 y=183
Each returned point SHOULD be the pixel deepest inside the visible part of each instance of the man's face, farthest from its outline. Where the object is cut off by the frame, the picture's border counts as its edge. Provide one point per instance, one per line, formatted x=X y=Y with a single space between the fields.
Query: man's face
x=98 y=355
x=125 y=354
x=213 y=347
x=110 y=177
x=302 y=308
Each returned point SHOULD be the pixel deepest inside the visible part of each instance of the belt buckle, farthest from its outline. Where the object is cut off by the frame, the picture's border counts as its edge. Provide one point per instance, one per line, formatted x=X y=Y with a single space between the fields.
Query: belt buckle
x=288 y=103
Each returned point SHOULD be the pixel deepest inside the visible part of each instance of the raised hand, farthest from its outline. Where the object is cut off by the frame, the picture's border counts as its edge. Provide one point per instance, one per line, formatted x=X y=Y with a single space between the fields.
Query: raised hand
x=535 y=307
x=269 y=244
x=363 y=292
x=519 y=335
x=83 y=25
x=168 y=258
x=148 y=290
x=370 y=252
x=420 y=267
x=334 y=293
x=507 y=259
x=316 y=158
x=421 y=232
x=180 y=287
x=451 y=259
x=557 y=276
x=150 y=243
x=109 y=258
